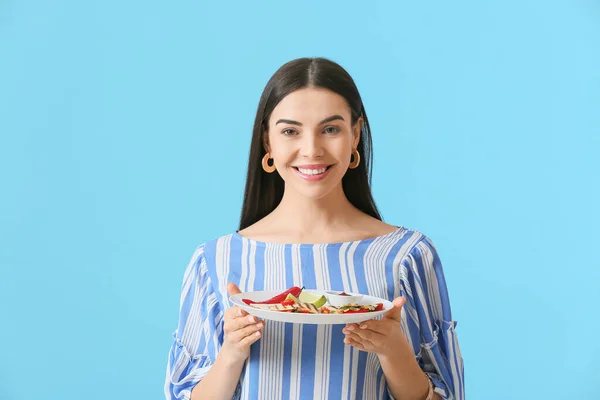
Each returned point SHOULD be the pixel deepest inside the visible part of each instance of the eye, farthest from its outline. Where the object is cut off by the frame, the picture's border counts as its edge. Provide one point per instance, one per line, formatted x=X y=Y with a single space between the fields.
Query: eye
x=289 y=132
x=331 y=130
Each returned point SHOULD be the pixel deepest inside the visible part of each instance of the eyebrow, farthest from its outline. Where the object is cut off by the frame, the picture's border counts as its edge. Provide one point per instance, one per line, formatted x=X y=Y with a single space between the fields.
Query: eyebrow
x=326 y=120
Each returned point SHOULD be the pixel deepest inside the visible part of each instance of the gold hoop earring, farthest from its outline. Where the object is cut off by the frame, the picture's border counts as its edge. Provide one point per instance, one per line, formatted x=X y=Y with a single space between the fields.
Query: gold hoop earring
x=265 y=163
x=354 y=159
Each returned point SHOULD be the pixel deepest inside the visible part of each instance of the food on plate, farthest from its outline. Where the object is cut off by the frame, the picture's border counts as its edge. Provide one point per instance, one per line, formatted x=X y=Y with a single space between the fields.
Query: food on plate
x=294 y=290
x=339 y=299
x=315 y=299
x=357 y=308
x=296 y=299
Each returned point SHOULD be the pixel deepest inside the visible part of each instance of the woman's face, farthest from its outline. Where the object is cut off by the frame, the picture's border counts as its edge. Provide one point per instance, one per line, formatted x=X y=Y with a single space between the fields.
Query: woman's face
x=311 y=139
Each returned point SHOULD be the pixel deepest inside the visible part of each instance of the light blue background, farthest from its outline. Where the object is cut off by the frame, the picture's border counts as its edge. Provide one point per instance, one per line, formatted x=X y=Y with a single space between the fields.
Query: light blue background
x=125 y=129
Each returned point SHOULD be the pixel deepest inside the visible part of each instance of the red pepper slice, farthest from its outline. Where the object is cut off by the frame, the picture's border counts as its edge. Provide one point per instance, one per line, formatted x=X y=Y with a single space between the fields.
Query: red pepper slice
x=379 y=307
x=294 y=290
x=287 y=303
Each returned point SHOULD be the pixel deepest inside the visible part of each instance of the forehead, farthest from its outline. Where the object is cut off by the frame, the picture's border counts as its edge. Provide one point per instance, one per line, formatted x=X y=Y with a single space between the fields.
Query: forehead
x=311 y=105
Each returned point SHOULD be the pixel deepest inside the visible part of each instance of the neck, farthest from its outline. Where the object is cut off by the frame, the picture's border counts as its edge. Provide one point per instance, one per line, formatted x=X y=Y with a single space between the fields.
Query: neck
x=309 y=215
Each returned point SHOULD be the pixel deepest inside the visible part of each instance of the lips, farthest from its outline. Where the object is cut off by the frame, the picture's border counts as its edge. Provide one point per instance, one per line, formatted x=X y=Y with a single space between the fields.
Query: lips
x=313 y=173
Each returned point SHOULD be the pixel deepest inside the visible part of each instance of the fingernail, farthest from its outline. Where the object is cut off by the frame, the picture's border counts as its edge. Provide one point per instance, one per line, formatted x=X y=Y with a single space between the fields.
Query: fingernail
x=240 y=312
x=257 y=333
x=351 y=328
x=363 y=326
x=260 y=324
x=251 y=318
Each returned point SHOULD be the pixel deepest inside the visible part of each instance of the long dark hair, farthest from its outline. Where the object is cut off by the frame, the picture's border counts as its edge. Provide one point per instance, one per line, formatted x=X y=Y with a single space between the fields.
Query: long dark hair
x=264 y=191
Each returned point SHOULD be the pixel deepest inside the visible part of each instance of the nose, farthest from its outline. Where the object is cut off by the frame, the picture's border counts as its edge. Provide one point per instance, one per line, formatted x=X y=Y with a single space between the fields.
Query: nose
x=312 y=146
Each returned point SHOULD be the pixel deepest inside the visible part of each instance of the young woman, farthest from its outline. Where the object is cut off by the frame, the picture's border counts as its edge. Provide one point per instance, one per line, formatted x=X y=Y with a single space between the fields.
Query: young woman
x=309 y=219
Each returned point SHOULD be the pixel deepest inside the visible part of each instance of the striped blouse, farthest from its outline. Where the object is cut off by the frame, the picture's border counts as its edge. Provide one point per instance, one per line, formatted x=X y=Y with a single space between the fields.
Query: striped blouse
x=293 y=361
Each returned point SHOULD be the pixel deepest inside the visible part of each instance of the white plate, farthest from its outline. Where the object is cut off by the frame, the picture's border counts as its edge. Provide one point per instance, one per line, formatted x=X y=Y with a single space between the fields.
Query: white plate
x=302 y=318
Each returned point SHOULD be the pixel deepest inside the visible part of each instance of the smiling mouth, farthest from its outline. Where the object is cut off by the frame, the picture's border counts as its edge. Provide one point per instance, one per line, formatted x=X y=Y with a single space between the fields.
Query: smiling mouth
x=313 y=171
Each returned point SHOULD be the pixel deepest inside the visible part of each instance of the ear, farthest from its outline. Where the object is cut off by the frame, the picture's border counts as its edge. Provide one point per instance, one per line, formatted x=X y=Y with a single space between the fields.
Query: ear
x=265 y=140
x=356 y=131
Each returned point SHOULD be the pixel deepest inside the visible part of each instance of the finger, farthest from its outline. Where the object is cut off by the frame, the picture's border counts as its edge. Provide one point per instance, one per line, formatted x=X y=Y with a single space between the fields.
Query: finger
x=242 y=322
x=369 y=335
x=232 y=312
x=365 y=343
x=372 y=329
x=374 y=325
x=232 y=289
x=350 y=328
x=354 y=343
x=248 y=340
x=364 y=335
x=240 y=334
x=235 y=324
x=396 y=312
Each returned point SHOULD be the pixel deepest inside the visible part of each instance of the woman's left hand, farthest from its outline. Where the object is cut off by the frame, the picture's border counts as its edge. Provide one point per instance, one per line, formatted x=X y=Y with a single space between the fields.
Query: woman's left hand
x=378 y=336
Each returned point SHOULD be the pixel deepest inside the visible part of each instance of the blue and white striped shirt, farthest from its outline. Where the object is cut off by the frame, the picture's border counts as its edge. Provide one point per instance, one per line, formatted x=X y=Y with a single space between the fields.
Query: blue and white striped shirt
x=294 y=361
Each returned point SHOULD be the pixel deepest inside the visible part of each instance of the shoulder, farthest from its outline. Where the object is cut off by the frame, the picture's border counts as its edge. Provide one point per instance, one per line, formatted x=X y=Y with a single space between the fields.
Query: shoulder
x=195 y=268
x=201 y=265
x=405 y=236
x=418 y=258
x=206 y=251
x=409 y=242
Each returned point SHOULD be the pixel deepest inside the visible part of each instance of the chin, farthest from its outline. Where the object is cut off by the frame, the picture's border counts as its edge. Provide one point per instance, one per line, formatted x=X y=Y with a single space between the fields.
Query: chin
x=314 y=192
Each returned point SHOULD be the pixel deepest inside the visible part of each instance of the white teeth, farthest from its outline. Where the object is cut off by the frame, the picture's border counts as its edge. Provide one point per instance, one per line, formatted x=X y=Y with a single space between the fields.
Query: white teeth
x=312 y=171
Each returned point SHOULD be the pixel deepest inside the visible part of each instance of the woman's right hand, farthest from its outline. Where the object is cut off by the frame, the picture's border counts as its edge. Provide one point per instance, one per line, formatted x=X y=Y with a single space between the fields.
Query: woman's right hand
x=241 y=330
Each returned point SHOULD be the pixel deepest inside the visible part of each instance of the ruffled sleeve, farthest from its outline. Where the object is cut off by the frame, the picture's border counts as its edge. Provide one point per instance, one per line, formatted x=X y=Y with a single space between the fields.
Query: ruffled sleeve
x=196 y=339
x=431 y=329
